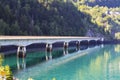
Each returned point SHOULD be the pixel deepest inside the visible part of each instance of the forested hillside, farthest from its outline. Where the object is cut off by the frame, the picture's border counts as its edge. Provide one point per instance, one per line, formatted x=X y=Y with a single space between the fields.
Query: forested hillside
x=59 y=17
x=37 y=17
x=108 y=3
x=104 y=16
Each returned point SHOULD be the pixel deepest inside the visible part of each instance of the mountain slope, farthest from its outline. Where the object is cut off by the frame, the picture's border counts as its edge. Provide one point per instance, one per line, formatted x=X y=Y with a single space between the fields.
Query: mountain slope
x=105 y=17
x=56 y=17
x=32 y=17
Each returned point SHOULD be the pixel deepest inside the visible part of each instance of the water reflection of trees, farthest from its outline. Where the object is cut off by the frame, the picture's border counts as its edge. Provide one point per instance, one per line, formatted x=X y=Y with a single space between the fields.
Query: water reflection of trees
x=5 y=73
x=117 y=48
x=101 y=65
x=106 y=64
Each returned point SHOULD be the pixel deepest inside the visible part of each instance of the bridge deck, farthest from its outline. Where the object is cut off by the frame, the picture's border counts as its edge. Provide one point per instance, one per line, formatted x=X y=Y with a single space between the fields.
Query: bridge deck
x=27 y=40
x=42 y=37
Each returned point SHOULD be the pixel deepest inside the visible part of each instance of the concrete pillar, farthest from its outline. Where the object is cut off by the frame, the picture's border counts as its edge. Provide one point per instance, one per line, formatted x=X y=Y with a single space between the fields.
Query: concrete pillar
x=77 y=45
x=48 y=51
x=65 y=47
x=102 y=40
x=21 y=51
x=0 y=46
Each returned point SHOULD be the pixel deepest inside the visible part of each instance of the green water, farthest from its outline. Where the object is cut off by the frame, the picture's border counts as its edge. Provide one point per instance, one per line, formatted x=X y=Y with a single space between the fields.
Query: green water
x=98 y=63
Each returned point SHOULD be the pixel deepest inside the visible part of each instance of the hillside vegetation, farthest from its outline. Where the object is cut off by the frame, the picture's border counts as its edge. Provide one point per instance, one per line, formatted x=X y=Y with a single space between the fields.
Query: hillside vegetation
x=59 y=17
x=108 y=3
x=37 y=17
x=103 y=15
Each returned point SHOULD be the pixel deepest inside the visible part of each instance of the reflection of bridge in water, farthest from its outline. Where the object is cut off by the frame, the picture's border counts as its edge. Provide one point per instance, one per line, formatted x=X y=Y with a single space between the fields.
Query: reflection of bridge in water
x=23 y=41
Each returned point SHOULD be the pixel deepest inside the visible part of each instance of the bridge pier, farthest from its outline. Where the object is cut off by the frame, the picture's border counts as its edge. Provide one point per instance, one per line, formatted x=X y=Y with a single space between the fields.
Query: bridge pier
x=21 y=51
x=102 y=40
x=0 y=47
x=48 y=51
x=77 y=45
x=65 y=47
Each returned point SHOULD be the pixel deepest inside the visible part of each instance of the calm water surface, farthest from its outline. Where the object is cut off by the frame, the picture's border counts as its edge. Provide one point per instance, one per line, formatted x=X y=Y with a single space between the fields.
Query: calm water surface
x=98 y=63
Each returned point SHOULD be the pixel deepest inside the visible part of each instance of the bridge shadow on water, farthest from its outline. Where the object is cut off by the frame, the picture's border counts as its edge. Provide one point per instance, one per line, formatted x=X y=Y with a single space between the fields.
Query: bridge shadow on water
x=36 y=54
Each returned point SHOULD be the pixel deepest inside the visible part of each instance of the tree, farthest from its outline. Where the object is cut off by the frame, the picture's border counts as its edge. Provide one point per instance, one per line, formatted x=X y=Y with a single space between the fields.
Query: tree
x=15 y=29
x=4 y=28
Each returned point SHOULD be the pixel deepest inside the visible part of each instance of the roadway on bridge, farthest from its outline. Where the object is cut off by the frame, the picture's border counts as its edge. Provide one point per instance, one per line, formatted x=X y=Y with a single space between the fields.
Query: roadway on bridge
x=43 y=37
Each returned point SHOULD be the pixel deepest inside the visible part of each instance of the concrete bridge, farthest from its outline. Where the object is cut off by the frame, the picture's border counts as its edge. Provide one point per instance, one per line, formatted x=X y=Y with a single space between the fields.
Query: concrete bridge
x=23 y=41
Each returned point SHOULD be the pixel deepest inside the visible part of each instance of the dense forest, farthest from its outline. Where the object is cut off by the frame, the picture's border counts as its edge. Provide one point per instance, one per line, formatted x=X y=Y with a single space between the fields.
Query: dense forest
x=37 y=17
x=60 y=18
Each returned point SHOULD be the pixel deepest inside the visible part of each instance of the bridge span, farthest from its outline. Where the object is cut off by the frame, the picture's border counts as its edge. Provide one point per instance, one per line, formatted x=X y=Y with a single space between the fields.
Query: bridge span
x=23 y=41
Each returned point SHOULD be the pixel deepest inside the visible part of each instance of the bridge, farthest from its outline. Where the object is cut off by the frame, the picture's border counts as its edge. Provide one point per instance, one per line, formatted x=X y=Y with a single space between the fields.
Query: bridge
x=23 y=41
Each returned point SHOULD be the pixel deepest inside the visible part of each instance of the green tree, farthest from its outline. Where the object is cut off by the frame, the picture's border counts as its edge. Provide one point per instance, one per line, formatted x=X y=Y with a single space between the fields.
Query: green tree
x=15 y=29
x=4 y=28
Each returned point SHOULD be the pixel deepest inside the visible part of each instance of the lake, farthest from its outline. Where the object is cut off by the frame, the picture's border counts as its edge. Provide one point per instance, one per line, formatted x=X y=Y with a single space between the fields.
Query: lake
x=95 y=63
